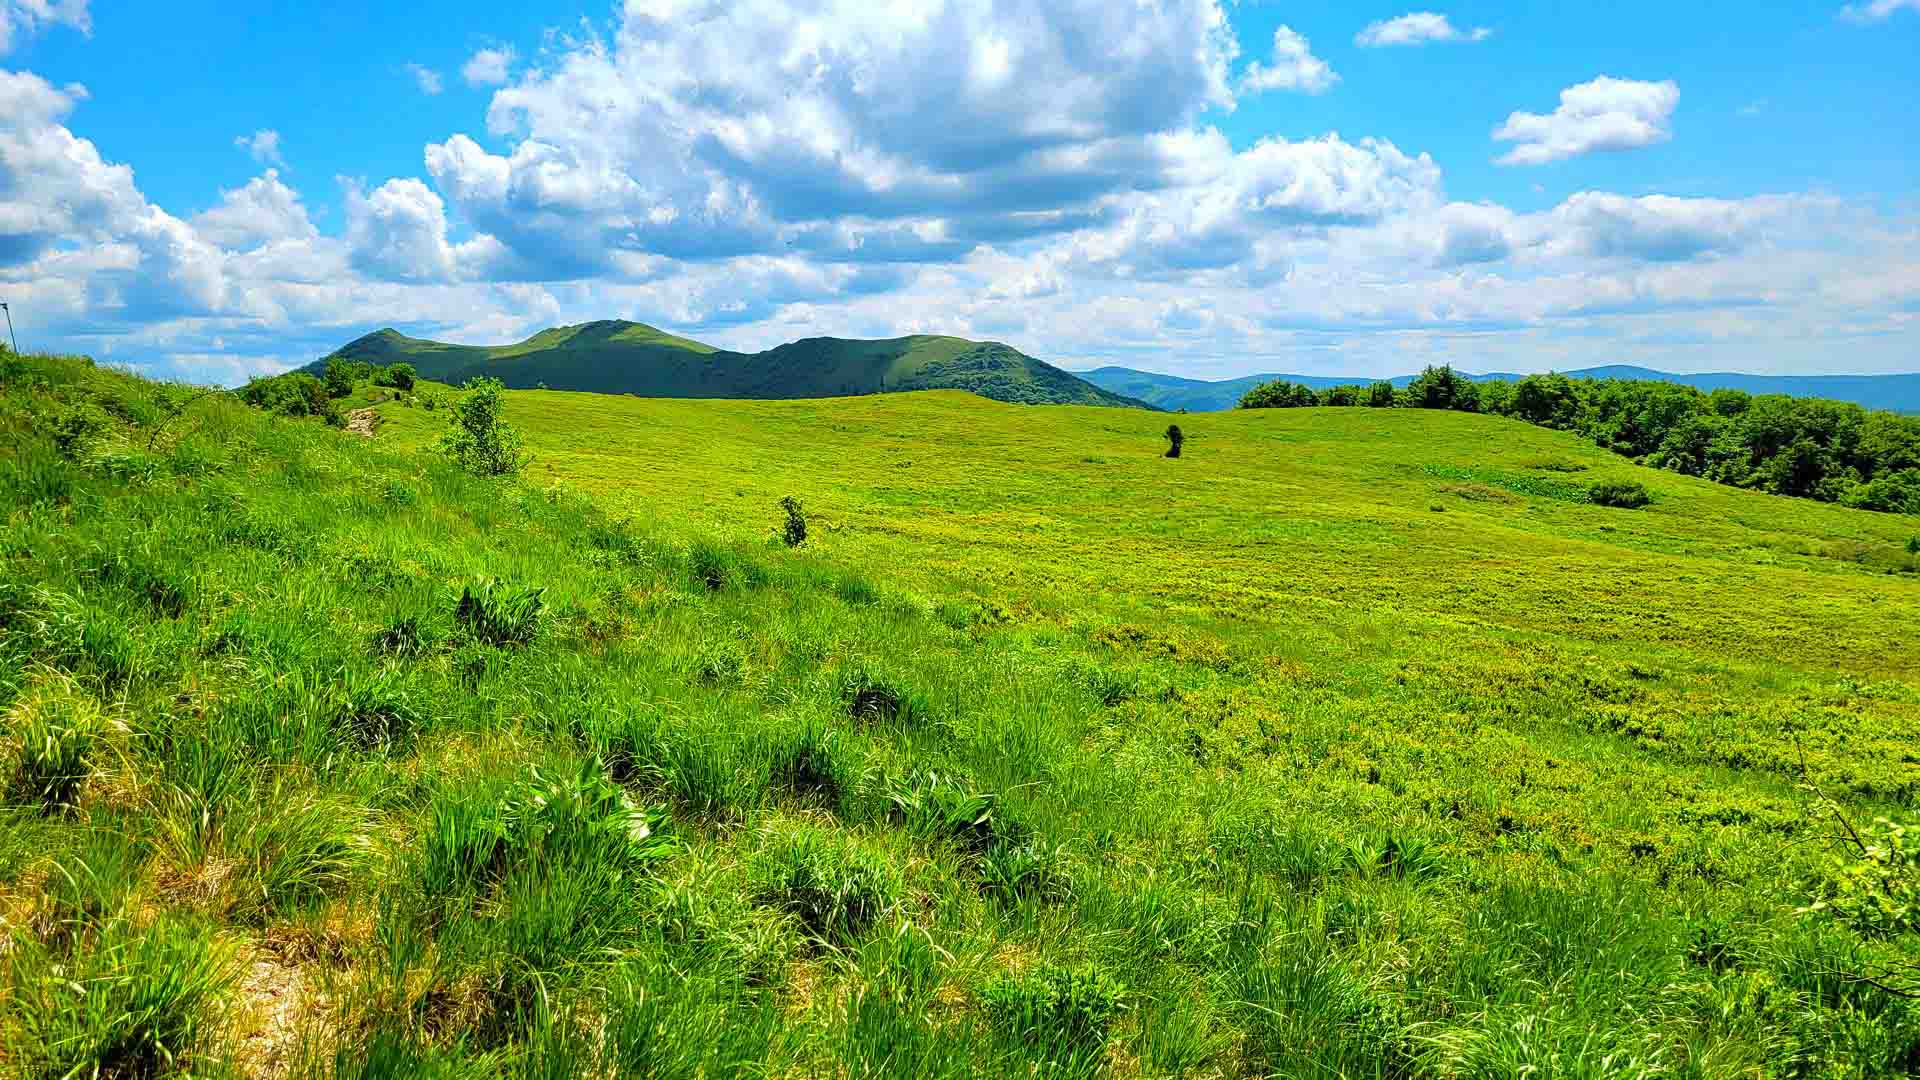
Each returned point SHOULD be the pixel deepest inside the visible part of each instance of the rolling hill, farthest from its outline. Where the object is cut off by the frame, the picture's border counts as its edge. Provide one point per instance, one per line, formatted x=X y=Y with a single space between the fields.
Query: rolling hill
x=1354 y=743
x=618 y=357
x=1899 y=393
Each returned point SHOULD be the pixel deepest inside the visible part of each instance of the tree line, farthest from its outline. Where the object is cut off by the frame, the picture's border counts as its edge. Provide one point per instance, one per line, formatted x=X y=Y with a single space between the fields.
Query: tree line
x=1833 y=451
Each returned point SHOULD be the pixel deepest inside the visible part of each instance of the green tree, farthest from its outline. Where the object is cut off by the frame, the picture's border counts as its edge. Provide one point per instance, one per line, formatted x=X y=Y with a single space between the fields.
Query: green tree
x=1380 y=395
x=400 y=375
x=479 y=440
x=1546 y=400
x=339 y=378
x=1443 y=388
x=1279 y=394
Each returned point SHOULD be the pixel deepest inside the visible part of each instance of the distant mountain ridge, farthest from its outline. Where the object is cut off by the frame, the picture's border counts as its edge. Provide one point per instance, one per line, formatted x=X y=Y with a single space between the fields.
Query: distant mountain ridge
x=1899 y=393
x=619 y=357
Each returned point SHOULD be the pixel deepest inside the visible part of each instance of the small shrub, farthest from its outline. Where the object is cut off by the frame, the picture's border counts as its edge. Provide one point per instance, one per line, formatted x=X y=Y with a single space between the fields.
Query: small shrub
x=794 y=532
x=1913 y=546
x=400 y=376
x=1175 y=439
x=836 y=893
x=1624 y=494
x=479 y=440
x=74 y=427
x=497 y=616
x=1064 y=1013
x=1874 y=881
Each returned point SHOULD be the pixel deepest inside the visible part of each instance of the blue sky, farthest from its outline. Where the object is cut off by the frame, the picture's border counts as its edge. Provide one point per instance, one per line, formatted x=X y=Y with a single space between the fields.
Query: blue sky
x=1183 y=185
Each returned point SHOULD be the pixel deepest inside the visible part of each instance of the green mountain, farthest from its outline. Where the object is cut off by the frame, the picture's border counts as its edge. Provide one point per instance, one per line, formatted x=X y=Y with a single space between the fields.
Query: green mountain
x=617 y=357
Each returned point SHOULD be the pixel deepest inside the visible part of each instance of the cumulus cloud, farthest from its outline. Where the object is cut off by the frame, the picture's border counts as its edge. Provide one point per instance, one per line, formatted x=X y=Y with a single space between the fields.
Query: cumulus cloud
x=488 y=67
x=263 y=146
x=264 y=211
x=24 y=18
x=757 y=171
x=705 y=130
x=1875 y=10
x=1293 y=67
x=1416 y=28
x=427 y=79
x=1605 y=114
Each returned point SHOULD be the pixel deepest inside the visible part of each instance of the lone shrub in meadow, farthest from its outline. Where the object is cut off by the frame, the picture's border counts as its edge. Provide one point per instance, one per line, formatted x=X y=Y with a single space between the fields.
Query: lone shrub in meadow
x=1625 y=494
x=794 y=532
x=1913 y=546
x=1175 y=438
x=480 y=441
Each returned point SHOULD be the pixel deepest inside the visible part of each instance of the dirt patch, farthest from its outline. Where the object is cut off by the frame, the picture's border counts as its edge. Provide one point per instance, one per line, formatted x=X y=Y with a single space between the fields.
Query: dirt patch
x=271 y=997
x=361 y=421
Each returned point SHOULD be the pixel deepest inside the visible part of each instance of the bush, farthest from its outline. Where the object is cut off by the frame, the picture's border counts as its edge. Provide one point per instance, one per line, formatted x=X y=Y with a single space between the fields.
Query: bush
x=497 y=616
x=1913 y=546
x=400 y=376
x=1175 y=439
x=794 y=532
x=479 y=440
x=294 y=394
x=1380 y=395
x=1625 y=494
x=340 y=377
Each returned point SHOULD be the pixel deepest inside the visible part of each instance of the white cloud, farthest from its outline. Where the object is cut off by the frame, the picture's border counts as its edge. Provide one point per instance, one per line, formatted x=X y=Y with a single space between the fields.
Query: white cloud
x=427 y=79
x=264 y=211
x=1605 y=114
x=716 y=130
x=488 y=67
x=23 y=18
x=755 y=172
x=1294 y=67
x=263 y=145
x=1416 y=28
x=1875 y=10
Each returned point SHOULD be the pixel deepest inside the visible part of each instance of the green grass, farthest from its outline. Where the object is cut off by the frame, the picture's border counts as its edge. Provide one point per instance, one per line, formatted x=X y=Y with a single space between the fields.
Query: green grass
x=1043 y=755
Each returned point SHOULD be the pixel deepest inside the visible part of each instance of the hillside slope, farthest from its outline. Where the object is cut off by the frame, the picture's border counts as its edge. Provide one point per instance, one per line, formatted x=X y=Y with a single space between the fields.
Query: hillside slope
x=1899 y=393
x=615 y=357
x=1351 y=744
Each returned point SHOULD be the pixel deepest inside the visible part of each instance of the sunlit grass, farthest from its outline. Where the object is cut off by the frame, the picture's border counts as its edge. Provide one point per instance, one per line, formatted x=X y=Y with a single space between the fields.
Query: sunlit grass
x=1043 y=754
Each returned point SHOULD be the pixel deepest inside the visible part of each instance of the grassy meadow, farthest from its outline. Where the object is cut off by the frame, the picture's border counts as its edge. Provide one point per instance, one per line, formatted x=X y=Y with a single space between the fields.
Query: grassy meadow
x=1353 y=743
